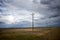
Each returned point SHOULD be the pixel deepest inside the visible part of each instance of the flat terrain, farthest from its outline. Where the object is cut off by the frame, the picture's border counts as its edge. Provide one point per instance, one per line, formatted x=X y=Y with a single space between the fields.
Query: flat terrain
x=28 y=34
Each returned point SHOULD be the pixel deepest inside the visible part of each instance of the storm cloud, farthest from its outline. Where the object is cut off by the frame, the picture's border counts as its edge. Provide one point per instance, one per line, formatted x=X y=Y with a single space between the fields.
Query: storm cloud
x=18 y=13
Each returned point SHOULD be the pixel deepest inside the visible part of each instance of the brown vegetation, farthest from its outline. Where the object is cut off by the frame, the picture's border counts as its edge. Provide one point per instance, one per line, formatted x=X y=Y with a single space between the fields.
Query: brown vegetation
x=28 y=34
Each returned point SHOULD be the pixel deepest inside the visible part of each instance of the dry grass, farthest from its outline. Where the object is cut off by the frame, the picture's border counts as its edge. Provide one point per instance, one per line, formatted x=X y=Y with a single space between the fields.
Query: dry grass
x=28 y=34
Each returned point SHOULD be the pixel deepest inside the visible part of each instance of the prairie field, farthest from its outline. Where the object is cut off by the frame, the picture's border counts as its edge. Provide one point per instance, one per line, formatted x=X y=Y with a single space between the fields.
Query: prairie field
x=44 y=33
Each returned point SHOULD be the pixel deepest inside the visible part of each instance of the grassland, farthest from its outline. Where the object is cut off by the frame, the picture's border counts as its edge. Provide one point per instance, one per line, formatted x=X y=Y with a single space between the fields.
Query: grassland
x=28 y=34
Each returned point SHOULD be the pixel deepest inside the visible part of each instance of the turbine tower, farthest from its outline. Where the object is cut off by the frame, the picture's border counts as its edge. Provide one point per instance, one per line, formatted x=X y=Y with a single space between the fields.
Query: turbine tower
x=32 y=21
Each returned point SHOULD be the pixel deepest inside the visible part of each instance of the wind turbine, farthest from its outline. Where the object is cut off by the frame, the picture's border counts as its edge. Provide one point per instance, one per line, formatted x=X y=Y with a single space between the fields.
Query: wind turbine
x=32 y=21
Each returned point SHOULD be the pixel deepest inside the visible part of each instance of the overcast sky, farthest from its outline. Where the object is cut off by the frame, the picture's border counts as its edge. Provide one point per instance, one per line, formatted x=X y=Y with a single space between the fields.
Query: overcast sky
x=18 y=13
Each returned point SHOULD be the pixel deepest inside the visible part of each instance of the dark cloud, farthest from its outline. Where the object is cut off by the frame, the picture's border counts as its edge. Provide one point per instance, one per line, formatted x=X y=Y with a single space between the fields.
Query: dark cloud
x=50 y=10
x=0 y=10
x=53 y=6
x=57 y=15
x=2 y=3
x=17 y=25
x=2 y=23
